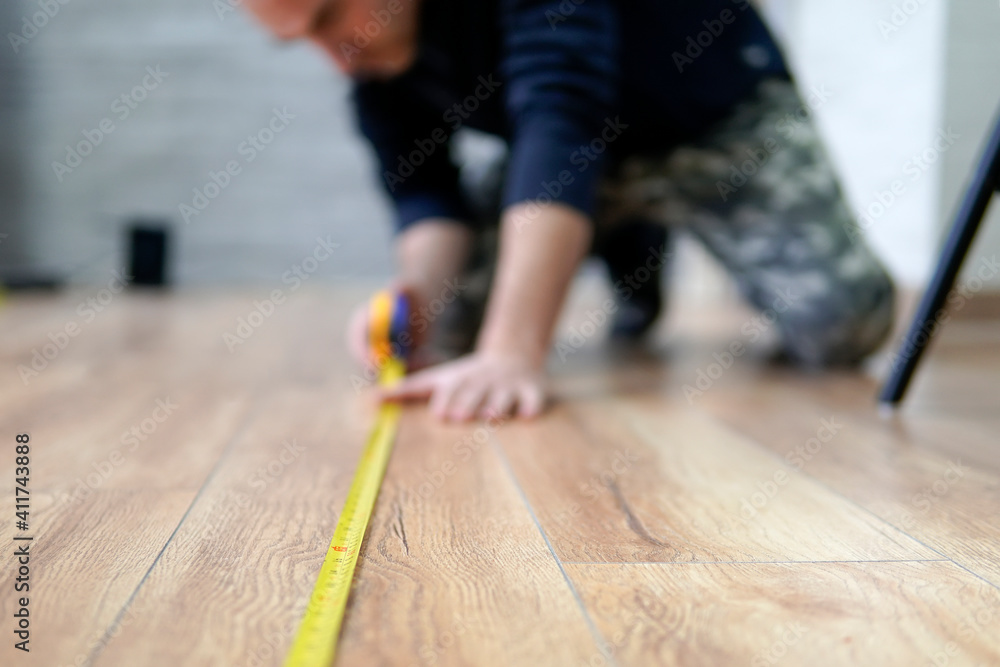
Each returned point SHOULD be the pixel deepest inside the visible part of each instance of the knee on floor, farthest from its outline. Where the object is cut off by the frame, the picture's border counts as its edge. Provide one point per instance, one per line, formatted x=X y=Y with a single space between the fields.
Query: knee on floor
x=843 y=325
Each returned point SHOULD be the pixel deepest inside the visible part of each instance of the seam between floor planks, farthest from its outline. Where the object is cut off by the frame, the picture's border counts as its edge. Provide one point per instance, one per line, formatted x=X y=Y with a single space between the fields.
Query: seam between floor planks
x=594 y=632
x=755 y=562
x=771 y=453
x=255 y=401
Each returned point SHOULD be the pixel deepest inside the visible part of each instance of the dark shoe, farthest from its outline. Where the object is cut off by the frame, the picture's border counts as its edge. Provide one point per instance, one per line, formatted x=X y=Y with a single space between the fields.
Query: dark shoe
x=635 y=254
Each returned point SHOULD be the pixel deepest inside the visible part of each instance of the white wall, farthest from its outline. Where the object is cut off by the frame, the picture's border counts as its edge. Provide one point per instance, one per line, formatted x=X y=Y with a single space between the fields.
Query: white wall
x=972 y=101
x=901 y=72
x=886 y=85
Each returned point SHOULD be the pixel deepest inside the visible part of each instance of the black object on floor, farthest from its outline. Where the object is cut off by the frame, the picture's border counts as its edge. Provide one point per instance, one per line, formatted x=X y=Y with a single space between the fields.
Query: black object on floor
x=148 y=253
x=985 y=182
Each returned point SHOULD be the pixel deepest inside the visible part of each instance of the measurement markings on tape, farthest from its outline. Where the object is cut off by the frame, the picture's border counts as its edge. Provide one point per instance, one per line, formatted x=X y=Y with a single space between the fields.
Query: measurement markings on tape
x=315 y=643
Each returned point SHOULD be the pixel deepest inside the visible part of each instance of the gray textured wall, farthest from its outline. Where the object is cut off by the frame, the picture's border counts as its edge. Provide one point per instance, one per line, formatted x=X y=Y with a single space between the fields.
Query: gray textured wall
x=13 y=186
x=224 y=77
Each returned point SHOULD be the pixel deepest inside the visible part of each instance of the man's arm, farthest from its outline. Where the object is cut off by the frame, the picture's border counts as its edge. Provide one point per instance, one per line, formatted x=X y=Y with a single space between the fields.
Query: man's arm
x=428 y=254
x=395 y=121
x=541 y=247
x=561 y=90
x=434 y=226
x=539 y=256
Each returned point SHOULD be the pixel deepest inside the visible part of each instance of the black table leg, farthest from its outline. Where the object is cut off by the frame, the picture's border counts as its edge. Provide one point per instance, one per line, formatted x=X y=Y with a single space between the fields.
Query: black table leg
x=985 y=181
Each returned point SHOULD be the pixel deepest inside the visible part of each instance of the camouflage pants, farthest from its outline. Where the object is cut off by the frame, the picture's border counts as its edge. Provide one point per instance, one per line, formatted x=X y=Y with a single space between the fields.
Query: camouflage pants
x=758 y=190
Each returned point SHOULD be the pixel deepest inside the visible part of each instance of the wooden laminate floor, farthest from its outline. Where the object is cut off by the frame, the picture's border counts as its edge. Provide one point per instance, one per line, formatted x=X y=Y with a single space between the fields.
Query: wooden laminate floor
x=183 y=495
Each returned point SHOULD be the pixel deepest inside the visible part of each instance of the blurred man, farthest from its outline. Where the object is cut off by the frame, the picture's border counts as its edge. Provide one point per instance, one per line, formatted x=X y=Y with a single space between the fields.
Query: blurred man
x=617 y=115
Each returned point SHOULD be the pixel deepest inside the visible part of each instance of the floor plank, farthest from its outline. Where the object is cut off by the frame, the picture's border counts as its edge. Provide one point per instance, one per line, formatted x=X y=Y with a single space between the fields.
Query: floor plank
x=86 y=559
x=646 y=480
x=463 y=572
x=821 y=614
x=934 y=479
x=101 y=509
x=453 y=568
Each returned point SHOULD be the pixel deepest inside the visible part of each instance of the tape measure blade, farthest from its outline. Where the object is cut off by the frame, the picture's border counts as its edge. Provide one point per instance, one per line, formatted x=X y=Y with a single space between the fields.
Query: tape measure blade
x=315 y=643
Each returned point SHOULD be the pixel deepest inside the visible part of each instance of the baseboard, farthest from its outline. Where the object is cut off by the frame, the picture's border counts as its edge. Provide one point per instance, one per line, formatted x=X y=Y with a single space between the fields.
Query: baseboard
x=984 y=305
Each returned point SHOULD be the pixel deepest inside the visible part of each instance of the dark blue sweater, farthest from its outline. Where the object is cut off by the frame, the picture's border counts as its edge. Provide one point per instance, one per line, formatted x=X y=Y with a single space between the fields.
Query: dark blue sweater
x=568 y=84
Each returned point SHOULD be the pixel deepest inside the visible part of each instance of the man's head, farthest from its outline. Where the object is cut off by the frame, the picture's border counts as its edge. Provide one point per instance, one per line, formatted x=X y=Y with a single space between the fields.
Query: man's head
x=366 y=38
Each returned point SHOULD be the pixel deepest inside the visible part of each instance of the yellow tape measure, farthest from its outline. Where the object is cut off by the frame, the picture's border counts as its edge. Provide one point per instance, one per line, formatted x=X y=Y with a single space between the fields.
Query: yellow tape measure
x=315 y=643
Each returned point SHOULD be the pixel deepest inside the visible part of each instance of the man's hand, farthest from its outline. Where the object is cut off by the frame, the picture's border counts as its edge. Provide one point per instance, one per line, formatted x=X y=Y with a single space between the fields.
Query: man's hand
x=540 y=248
x=479 y=385
x=429 y=254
